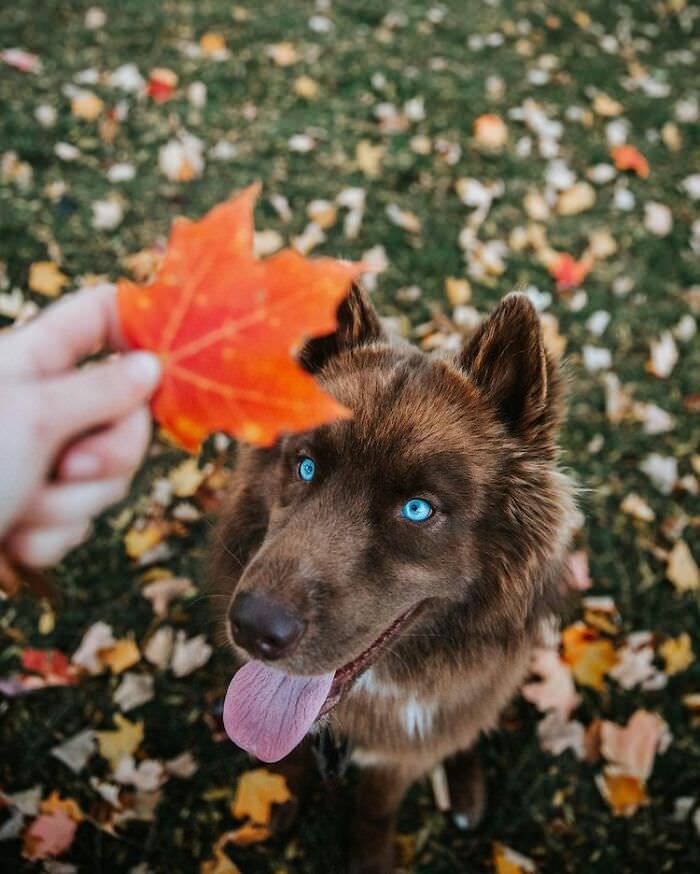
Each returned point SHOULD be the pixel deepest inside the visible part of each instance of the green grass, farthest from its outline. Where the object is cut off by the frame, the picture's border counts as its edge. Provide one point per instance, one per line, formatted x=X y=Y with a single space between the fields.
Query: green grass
x=548 y=808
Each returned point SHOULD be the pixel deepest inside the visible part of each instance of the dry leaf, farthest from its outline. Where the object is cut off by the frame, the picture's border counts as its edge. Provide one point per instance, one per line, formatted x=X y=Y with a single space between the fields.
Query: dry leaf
x=232 y=326
x=256 y=792
x=283 y=54
x=576 y=199
x=567 y=271
x=677 y=653
x=133 y=691
x=249 y=833
x=627 y=157
x=145 y=535
x=369 y=158
x=682 y=570
x=632 y=749
x=635 y=505
x=75 y=752
x=161 y=592
x=589 y=656
x=45 y=278
x=49 y=835
x=86 y=105
x=556 y=690
x=507 y=861
x=122 y=741
x=490 y=132
x=458 y=291
x=122 y=654
x=624 y=794
x=162 y=83
x=306 y=87
x=557 y=734
x=188 y=655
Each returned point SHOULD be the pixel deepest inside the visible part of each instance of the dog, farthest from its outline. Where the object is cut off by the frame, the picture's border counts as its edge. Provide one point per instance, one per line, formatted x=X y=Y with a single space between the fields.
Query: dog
x=389 y=575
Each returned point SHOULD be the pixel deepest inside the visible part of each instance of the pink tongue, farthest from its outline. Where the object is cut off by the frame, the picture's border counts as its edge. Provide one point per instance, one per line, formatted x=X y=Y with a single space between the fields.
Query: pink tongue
x=267 y=712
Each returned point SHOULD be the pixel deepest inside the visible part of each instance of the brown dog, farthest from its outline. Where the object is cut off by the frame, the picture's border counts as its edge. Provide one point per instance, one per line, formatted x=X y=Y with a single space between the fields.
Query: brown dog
x=390 y=574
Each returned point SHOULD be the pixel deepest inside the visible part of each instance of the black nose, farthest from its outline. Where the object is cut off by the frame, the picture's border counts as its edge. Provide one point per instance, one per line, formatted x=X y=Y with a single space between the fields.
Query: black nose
x=265 y=629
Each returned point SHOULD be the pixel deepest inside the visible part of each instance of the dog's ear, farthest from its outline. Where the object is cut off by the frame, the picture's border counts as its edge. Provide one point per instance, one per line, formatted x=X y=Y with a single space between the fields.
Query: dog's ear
x=358 y=325
x=506 y=358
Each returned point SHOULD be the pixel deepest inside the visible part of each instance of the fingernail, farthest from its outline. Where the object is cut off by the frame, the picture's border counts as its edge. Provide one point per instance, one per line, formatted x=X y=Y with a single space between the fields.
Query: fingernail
x=144 y=368
x=81 y=465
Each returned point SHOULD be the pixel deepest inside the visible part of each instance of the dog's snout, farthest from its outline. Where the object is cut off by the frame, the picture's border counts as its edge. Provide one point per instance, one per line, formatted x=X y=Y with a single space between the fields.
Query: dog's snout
x=263 y=628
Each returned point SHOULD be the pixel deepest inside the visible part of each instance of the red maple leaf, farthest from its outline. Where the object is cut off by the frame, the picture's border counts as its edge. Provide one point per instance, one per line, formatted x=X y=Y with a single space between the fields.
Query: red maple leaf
x=568 y=272
x=51 y=664
x=227 y=326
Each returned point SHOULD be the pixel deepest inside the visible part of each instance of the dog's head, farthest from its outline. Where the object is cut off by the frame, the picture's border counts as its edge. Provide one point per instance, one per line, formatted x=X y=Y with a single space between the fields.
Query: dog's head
x=440 y=490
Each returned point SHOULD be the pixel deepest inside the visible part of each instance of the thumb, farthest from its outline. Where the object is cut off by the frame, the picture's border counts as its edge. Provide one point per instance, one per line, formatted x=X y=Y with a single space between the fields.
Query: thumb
x=98 y=394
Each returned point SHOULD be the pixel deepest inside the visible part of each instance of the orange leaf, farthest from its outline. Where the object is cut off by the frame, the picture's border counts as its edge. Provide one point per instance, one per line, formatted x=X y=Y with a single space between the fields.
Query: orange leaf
x=256 y=792
x=568 y=272
x=226 y=326
x=70 y=807
x=629 y=158
x=590 y=658
x=250 y=834
x=624 y=794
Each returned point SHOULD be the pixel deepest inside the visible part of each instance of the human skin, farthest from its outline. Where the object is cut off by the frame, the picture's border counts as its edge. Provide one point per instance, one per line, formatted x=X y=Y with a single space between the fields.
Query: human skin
x=71 y=436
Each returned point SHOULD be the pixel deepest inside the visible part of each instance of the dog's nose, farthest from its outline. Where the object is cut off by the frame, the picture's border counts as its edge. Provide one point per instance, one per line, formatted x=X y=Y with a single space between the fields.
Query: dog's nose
x=263 y=628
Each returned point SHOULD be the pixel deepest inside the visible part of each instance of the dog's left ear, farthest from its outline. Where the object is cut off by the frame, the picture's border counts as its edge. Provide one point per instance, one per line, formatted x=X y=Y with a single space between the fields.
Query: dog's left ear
x=507 y=360
x=358 y=325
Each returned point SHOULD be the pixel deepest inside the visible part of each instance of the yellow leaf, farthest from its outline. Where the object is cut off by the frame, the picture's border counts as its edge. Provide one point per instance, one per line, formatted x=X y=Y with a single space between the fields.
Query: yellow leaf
x=211 y=43
x=144 y=536
x=624 y=794
x=458 y=291
x=283 y=53
x=369 y=158
x=677 y=653
x=70 y=807
x=606 y=106
x=256 y=792
x=123 y=741
x=45 y=278
x=507 y=861
x=186 y=478
x=306 y=87
x=120 y=656
x=590 y=657
x=682 y=569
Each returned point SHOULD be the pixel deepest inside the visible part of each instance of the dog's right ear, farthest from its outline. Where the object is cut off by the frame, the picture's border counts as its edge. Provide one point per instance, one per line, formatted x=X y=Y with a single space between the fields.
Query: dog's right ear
x=358 y=325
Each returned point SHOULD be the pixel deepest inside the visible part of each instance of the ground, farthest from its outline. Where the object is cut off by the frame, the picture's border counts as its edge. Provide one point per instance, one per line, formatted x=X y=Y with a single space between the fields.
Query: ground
x=312 y=100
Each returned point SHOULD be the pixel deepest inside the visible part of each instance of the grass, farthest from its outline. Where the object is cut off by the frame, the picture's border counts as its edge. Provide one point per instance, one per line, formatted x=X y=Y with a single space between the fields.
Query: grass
x=545 y=807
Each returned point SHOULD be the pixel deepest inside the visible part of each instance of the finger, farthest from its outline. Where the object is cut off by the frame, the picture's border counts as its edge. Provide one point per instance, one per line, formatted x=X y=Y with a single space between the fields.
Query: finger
x=65 y=332
x=43 y=547
x=96 y=395
x=113 y=452
x=66 y=504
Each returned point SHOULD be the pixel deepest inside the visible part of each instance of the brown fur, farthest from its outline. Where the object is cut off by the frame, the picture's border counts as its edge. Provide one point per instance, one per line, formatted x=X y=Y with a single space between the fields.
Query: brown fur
x=476 y=436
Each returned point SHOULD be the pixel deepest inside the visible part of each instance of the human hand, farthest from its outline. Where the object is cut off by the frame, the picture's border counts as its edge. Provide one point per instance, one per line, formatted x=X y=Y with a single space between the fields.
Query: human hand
x=70 y=437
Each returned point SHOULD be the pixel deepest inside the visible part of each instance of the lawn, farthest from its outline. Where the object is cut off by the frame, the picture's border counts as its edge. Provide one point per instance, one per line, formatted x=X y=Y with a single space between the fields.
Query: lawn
x=137 y=112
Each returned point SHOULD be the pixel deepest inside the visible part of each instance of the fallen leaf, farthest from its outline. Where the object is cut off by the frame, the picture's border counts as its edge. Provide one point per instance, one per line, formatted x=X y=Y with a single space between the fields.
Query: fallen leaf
x=632 y=748
x=68 y=805
x=161 y=592
x=75 y=752
x=682 y=569
x=45 y=278
x=507 y=861
x=580 y=578
x=555 y=691
x=188 y=655
x=182 y=159
x=636 y=506
x=624 y=794
x=490 y=132
x=458 y=291
x=306 y=87
x=49 y=835
x=256 y=792
x=122 y=654
x=369 y=158
x=576 y=199
x=133 y=691
x=590 y=657
x=98 y=637
x=161 y=84
x=233 y=325
x=627 y=157
x=283 y=54
x=658 y=219
x=145 y=535
x=677 y=653
x=51 y=665
x=86 y=105
x=557 y=734
x=122 y=741
x=568 y=272
x=212 y=43
x=160 y=647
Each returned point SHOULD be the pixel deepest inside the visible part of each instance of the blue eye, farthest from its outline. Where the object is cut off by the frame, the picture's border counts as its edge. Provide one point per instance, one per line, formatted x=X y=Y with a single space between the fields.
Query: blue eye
x=306 y=469
x=417 y=510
